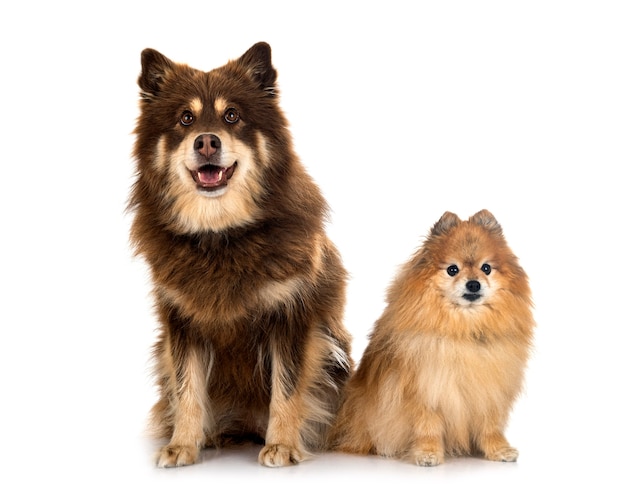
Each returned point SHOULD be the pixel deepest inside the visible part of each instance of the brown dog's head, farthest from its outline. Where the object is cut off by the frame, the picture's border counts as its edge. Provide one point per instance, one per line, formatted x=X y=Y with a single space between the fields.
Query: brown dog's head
x=204 y=140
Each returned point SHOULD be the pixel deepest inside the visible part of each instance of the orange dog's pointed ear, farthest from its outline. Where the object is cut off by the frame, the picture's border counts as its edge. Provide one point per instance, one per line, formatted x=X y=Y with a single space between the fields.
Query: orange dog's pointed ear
x=446 y=222
x=486 y=219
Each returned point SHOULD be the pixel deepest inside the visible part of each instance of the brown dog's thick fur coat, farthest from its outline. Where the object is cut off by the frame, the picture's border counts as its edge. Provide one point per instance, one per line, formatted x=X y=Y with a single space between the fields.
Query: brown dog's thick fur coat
x=445 y=361
x=249 y=290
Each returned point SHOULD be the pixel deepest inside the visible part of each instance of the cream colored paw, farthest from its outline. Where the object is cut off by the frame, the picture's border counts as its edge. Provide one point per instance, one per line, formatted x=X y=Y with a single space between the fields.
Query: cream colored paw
x=428 y=458
x=274 y=455
x=177 y=455
x=506 y=454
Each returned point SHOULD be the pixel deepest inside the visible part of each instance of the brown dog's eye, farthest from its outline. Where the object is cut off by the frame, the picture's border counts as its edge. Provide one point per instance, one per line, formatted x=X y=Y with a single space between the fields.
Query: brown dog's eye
x=486 y=268
x=187 y=118
x=231 y=116
x=452 y=270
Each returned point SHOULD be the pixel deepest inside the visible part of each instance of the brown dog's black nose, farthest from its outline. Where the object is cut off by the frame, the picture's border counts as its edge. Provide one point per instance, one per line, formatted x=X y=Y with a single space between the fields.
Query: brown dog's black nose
x=473 y=286
x=207 y=145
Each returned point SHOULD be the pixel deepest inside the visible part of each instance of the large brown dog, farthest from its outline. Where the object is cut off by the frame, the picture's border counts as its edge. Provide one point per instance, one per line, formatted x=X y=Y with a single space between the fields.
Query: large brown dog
x=249 y=290
x=446 y=359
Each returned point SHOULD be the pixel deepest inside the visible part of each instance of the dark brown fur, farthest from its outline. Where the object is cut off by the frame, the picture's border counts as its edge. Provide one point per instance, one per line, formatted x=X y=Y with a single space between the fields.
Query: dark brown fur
x=249 y=290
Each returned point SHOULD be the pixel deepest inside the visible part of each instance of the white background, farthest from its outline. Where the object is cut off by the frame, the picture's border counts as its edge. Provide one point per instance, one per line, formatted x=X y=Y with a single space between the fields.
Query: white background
x=399 y=114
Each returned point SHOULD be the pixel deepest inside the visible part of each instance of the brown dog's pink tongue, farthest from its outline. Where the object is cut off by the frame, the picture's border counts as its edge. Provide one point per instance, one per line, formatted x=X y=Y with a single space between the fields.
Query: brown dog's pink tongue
x=210 y=176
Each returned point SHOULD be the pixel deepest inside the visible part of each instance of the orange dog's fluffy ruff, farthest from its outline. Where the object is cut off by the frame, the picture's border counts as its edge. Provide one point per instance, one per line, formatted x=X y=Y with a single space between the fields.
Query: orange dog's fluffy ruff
x=445 y=361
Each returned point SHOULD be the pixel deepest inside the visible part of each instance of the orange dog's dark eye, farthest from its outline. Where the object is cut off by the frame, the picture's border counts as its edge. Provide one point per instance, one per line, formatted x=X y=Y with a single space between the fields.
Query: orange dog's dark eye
x=187 y=118
x=452 y=270
x=486 y=268
x=231 y=116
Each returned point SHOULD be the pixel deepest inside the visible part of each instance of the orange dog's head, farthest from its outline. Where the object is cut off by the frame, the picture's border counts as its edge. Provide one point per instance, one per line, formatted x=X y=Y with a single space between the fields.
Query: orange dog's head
x=464 y=279
x=473 y=261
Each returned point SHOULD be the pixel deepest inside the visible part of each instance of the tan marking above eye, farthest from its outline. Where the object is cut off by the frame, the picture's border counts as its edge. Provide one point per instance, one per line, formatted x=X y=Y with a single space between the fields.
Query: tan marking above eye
x=196 y=106
x=220 y=105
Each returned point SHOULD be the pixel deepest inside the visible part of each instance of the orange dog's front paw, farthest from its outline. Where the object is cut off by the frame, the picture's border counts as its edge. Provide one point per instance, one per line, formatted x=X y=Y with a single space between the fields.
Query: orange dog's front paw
x=506 y=454
x=428 y=458
x=177 y=455
x=274 y=455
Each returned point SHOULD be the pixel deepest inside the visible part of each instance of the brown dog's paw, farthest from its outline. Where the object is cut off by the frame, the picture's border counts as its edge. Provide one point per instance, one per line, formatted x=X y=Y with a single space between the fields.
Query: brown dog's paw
x=177 y=455
x=274 y=455
x=505 y=454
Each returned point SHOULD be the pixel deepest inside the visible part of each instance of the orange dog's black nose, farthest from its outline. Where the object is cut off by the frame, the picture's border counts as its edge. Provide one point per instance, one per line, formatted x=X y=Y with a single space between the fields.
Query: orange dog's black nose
x=473 y=286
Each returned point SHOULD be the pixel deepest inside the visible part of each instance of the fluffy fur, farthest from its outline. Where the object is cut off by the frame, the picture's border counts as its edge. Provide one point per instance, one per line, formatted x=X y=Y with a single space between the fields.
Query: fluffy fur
x=445 y=361
x=249 y=290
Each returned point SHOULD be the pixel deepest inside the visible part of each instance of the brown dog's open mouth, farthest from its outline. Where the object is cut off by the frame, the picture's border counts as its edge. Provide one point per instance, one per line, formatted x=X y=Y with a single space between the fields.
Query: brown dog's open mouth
x=211 y=177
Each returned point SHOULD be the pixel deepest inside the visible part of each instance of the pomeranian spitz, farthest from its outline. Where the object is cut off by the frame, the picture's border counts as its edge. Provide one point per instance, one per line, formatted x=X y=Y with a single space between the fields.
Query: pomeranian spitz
x=248 y=289
x=445 y=361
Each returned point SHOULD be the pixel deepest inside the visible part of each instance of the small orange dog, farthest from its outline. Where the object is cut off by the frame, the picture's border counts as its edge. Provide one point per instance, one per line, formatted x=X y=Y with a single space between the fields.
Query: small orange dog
x=445 y=361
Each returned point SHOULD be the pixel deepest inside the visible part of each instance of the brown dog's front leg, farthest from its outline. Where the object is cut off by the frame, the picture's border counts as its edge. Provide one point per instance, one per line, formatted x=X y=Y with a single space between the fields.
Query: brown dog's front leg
x=189 y=408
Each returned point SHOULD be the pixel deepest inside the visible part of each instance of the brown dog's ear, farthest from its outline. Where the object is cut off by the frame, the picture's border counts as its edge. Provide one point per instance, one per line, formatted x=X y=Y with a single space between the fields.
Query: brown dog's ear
x=154 y=67
x=258 y=62
x=486 y=219
x=445 y=223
